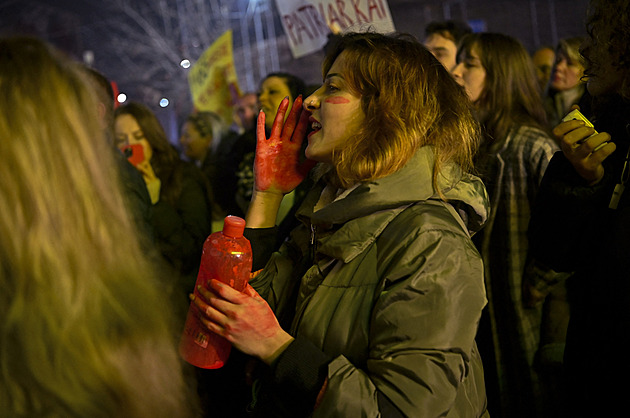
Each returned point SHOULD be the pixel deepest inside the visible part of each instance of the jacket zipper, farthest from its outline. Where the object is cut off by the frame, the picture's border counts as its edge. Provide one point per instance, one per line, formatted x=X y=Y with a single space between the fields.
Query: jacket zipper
x=313 y=241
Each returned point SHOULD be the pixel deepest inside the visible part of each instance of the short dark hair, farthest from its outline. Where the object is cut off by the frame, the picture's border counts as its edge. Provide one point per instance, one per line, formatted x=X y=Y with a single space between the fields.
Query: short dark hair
x=105 y=95
x=103 y=83
x=295 y=84
x=450 y=29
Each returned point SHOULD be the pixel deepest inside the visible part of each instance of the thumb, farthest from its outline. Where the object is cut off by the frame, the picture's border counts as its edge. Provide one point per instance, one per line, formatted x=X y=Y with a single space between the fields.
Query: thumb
x=250 y=291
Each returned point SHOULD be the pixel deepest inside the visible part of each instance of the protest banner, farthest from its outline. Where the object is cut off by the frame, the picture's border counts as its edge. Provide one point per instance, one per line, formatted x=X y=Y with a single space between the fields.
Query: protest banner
x=212 y=79
x=307 y=23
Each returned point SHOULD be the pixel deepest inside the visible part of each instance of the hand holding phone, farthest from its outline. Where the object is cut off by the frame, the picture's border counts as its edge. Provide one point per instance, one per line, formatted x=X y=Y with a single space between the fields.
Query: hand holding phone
x=584 y=147
x=575 y=114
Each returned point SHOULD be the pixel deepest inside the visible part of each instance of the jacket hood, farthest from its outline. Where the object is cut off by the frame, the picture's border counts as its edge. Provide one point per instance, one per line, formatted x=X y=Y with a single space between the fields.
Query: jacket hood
x=411 y=184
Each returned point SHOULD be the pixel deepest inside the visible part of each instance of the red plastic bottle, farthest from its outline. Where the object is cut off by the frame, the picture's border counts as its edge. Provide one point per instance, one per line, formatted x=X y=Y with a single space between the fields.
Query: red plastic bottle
x=227 y=256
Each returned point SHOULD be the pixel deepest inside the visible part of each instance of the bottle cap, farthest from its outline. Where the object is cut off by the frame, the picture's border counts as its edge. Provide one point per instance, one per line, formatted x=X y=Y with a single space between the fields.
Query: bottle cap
x=233 y=226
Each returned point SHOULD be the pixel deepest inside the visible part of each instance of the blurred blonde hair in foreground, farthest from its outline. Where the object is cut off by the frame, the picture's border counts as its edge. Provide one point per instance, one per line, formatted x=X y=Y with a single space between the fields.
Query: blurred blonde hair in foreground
x=84 y=330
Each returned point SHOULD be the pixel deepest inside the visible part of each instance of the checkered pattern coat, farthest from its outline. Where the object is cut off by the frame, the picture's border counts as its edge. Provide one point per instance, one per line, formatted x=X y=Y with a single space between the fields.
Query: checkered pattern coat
x=512 y=174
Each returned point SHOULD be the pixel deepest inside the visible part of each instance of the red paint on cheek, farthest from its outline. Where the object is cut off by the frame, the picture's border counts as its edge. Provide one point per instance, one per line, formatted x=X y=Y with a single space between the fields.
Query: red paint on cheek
x=337 y=100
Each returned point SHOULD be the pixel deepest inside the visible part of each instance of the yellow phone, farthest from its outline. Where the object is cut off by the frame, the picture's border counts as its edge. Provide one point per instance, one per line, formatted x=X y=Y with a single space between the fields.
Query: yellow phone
x=575 y=114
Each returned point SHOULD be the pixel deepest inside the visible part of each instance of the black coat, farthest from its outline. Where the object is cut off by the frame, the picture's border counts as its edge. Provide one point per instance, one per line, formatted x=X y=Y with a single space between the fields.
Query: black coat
x=181 y=227
x=573 y=229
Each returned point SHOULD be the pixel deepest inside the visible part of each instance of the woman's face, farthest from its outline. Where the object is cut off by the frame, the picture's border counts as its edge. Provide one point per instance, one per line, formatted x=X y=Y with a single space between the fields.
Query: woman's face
x=470 y=73
x=336 y=113
x=272 y=91
x=602 y=76
x=128 y=132
x=566 y=73
x=193 y=144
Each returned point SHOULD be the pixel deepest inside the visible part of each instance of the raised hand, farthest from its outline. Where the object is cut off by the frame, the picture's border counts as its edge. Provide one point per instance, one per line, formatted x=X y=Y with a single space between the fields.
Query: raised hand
x=151 y=180
x=277 y=166
x=585 y=152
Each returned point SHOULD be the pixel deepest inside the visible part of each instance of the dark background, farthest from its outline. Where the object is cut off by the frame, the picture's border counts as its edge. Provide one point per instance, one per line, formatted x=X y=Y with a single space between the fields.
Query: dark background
x=140 y=43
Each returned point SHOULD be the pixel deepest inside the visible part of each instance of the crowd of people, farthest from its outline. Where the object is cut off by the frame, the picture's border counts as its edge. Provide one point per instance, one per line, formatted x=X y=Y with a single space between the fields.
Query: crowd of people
x=432 y=236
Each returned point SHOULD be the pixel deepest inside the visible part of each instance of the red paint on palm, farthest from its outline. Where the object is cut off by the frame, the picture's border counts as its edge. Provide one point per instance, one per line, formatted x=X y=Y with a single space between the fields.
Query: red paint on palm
x=277 y=166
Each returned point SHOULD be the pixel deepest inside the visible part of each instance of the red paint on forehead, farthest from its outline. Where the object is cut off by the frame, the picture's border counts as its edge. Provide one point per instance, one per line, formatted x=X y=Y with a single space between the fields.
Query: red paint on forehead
x=337 y=100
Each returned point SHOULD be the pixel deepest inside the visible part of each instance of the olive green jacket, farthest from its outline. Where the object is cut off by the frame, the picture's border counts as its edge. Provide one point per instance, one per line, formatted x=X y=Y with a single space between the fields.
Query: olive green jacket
x=393 y=294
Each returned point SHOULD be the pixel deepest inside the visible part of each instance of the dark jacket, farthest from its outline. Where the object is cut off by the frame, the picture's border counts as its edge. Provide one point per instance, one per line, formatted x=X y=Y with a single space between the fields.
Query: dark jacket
x=573 y=230
x=389 y=298
x=181 y=228
x=219 y=167
x=136 y=195
x=554 y=106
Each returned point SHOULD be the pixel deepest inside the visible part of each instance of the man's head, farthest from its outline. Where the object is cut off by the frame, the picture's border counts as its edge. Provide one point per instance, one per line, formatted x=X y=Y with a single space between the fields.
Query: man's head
x=442 y=38
x=543 y=59
x=105 y=96
x=246 y=111
x=606 y=50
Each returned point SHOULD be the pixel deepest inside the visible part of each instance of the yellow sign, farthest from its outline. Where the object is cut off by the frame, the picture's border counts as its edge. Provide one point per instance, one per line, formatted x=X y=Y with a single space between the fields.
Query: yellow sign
x=212 y=80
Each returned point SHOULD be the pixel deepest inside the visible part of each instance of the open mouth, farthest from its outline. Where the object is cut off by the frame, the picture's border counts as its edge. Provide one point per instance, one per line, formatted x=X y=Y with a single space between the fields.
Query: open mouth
x=315 y=125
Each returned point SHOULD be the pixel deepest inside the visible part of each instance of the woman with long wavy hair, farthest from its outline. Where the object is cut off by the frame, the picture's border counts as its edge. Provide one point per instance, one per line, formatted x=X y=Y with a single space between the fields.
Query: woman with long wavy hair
x=499 y=76
x=74 y=340
x=180 y=194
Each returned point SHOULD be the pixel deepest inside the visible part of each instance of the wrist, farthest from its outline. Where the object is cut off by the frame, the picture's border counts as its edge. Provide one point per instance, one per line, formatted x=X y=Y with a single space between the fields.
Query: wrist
x=153 y=187
x=596 y=181
x=263 y=209
x=277 y=346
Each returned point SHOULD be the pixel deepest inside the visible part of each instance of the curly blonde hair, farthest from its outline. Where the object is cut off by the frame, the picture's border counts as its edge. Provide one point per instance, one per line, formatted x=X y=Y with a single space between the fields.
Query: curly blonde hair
x=409 y=101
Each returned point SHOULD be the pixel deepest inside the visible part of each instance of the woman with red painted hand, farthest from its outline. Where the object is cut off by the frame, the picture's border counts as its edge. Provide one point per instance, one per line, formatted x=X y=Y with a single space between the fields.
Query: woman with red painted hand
x=370 y=308
x=581 y=222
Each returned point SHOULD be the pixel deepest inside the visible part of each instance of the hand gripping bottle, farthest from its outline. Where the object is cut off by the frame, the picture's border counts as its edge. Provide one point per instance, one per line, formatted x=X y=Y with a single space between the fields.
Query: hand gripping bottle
x=227 y=256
